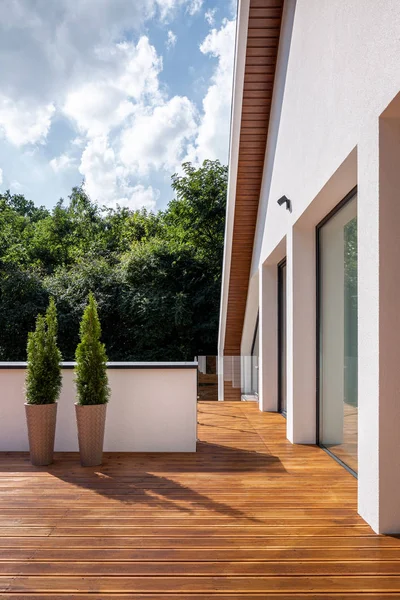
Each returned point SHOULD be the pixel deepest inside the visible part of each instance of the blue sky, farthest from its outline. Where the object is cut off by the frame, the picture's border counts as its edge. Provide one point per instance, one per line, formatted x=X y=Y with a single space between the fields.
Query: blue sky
x=115 y=92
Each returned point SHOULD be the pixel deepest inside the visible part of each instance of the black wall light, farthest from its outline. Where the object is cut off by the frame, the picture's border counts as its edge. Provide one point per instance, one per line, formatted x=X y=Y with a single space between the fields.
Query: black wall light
x=285 y=200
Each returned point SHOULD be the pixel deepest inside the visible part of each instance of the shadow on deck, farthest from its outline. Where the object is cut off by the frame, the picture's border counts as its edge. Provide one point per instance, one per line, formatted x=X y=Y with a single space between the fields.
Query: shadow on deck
x=248 y=516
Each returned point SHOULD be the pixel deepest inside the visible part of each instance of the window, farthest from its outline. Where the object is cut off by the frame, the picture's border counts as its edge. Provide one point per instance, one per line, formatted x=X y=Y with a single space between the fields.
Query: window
x=282 y=404
x=254 y=361
x=337 y=286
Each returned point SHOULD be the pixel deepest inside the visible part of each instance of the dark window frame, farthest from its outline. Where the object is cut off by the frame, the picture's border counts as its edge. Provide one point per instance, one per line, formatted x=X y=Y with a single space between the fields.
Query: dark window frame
x=254 y=335
x=280 y=267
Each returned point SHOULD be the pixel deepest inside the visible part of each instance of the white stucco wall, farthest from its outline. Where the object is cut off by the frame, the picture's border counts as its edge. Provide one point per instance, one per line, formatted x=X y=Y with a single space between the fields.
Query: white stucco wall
x=342 y=71
x=150 y=410
x=338 y=70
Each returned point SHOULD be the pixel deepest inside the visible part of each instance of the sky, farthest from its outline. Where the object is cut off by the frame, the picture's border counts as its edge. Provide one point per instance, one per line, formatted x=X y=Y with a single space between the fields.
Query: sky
x=115 y=93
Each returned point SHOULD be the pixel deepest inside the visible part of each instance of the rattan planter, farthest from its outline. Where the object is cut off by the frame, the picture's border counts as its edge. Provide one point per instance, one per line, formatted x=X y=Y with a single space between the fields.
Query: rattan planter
x=91 y=420
x=41 y=421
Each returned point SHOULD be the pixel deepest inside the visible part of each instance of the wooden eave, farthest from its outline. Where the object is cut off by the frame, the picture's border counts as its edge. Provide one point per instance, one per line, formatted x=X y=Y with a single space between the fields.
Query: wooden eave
x=264 y=27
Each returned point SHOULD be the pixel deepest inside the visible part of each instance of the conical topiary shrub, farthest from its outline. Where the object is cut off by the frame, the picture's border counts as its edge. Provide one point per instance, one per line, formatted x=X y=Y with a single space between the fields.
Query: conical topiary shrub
x=43 y=386
x=92 y=387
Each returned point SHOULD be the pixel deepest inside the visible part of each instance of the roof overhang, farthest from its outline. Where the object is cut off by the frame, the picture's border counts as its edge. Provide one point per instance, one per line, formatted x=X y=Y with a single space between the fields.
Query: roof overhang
x=257 y=40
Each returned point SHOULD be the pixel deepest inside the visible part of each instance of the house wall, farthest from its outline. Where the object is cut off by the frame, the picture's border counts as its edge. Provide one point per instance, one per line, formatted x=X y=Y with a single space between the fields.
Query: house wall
x=341 y=73
x=150 y=410
x=335 y=98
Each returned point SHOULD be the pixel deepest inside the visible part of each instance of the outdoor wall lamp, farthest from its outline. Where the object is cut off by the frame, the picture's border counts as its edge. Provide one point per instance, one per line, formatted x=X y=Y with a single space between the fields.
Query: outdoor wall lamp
x=285 y=200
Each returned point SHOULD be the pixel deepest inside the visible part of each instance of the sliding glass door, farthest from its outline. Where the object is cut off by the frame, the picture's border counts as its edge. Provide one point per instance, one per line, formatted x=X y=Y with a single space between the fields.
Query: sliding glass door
x=337 y=284
x=282 y=404
x=254 y=361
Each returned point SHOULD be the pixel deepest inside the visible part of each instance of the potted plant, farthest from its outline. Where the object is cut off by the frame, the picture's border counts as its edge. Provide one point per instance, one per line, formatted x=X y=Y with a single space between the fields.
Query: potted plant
x=92 y=387
x=43 y=386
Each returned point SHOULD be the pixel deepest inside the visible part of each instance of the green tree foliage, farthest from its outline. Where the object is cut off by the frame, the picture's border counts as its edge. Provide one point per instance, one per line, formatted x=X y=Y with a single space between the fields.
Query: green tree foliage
x=197 y=216
x=156 y=276
x=22 y=297
x=169 y=303
x=91 y=370
x=43 y=380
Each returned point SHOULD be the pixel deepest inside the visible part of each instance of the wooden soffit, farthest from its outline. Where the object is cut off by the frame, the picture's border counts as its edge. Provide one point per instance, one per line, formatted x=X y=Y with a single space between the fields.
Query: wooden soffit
x=264 y=27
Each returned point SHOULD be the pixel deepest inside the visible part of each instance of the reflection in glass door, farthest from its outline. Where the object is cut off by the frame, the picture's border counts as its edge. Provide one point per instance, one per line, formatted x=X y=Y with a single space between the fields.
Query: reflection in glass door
x=282 y=337
x=337 y=277
x=254 y=361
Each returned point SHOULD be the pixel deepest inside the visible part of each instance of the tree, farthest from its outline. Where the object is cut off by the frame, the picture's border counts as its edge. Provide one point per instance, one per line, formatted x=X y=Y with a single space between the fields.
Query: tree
x=197 y=216
x=91 y=359
x=22 y=297
x=157 y=301
x=70 y=286
x=156 y=276
x=24 y=207
x=43 y=381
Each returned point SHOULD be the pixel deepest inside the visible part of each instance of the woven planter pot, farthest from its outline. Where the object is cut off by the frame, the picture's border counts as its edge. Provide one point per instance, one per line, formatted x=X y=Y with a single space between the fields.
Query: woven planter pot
x=91 y=420
x=41 y=421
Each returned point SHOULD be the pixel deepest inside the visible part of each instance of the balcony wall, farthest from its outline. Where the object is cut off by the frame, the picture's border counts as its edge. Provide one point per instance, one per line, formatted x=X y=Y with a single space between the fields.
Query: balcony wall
x=152 y=408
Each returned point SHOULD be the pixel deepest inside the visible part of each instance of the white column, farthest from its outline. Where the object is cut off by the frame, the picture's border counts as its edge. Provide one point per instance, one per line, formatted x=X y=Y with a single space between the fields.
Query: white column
x=379 y=325
x=268 y=340
x=368 y=328
x=246 y=366
x=301 y=336
x=220 y=364
x=202 y=364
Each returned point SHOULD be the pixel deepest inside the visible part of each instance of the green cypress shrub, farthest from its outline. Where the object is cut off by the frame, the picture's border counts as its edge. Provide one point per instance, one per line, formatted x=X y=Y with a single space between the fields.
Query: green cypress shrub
x=91 y=370
x=43 y=379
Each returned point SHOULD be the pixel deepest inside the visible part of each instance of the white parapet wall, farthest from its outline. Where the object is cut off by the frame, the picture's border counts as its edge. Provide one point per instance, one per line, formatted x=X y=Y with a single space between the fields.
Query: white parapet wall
x=152 y=408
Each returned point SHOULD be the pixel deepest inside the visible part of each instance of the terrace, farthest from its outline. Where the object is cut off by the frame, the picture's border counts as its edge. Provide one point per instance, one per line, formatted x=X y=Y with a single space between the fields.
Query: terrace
x=249 y=515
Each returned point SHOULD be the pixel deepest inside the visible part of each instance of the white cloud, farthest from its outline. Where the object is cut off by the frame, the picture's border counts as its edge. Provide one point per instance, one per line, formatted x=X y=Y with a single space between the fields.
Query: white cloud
x=66 y=63
x=22 y=124
x=51 y=49
x=61 y=163
x=209 y=16
x=130 y=127
x=108 y=182
x=157 y=139
x=46 y=46
x=78 y=141
x=171 y=40
x=138 y=196
x=233 y=8
x=96 y=107
x=130 y=74
x=1 y=176
x=194 y=6
x=167 y=8
x=213 y=133
x=98 y=168
x=16 y=186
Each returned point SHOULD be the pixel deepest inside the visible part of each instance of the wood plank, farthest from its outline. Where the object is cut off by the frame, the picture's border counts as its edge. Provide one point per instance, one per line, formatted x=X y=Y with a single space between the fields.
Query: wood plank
x=103 y=568
x=205 y=596
x=190 y=584
x=248 y=516
x=265 y=12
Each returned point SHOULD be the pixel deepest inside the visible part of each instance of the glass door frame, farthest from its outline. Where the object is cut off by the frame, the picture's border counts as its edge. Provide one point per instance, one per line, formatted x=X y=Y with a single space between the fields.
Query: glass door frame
x=331 y=214
x=281 y=308
x=255 y=368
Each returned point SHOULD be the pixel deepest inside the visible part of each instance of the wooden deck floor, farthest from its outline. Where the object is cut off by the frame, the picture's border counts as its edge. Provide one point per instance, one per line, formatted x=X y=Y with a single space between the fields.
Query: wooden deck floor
x=248 y=516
